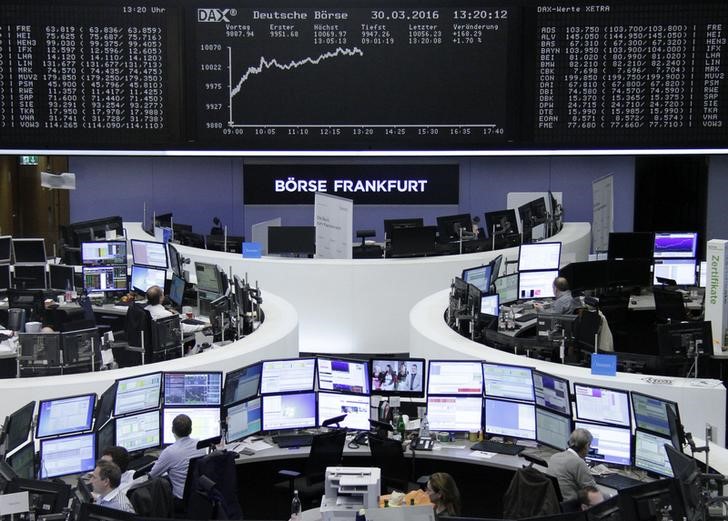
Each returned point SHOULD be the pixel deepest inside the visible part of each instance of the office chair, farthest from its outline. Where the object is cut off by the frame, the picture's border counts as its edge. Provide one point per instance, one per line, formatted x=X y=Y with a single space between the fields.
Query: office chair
x=616 y=310
x=327 y=449
x=669 y=306
x=138 y=336
x=211 y=488
x=530 y=494
x=389 y=457
x=152 y=498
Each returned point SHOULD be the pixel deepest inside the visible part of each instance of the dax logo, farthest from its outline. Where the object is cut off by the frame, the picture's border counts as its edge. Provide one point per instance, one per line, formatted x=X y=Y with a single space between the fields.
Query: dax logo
x=214 y=15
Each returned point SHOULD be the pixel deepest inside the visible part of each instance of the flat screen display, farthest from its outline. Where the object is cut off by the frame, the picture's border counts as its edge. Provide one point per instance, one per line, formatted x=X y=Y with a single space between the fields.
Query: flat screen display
x=507 y=288
x=490 y=305
x=552 y=392
x=282 y=376
x=105 y=278
x=355 y=406
x=22 y=461
x=103 y=253
x=478 y=277
x=30 y=251
x=630 y=245
x=138 y=431
x=192 y=388
x=682 y=271
x=205 y=422
x=138 y=393
x=67 y=455
x=455 y=413
x=18 y=426
x=4 y=277
x=650 y=453
x=536 y=284
x=405 y=377
x=343 y=375
x=455 y=377
x=552 y=429
x=208 y=278
x=514 y=419
x=30 y=277
x=650 y=413
x=602 y=405
x=244 y=419
x=61 y=277
x=289 y=411
x=147 y=253
x=143 y=278
x=5 y=249
x=242 y=383
x=539 y=256
x=611 y=445
x=508 y=381
x=65 y=415
x=177 y=291
x=676 y=245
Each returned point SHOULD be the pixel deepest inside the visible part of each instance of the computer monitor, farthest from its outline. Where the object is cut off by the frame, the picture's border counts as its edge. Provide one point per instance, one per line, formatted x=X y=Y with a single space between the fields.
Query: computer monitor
x=552 y=430
x=149 y=253
x=43 y=348
x=552 y=392
x=455 y=413
x=514 y=419
x=105 y=406
x=44 y=497
x=205 y=422
x=349 y=376
x=65 y=415
x=5 y=277
x=508 y=381
x=18 y=426
x=106 y=436
x=682 y=271
x=687 y=474
x=143 y=278
x=610 y=444
x=243 y=419
x=601 y=404
x=298 y=240
x=175 y=260
x=587 y=275
x=191 y=388
x=30 y=277
x=650 y=413
x=630 y=245
x=137 y=393
x=478 y=276
x=490 y=305
x=138 y=431
x=177 y=291
x=507 y=288
x=455 y=377
x=61 y=277
x=105 y=278
x=536 y=284
x=650 y=455
x=413 y=242
x=94 y=512
x=242 y=383
x=501 y=222
x=386 y=377
x=540 y=256
x=355 y=406
x=208 y=278
x=5 y=249
x=80 y=345
x=650 y=501
x=67 y=455
x=450 y=227
x=282 y=376
x=104 y=253
x=630 y=272
x=675 y=244
x=289 y=411
x=29 y=251
x=22 y=461
x=680 y=338
x=392 y=224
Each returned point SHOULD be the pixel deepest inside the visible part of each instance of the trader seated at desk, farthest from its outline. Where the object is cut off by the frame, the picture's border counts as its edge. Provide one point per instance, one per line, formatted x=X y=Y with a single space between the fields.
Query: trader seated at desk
x=564 y=303
x=155 y=300
x=569 y=466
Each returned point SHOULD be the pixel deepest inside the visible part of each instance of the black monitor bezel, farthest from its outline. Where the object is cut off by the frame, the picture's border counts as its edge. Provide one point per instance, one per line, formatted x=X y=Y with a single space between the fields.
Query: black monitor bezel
x=429 y=379
x=108 y=426
x=218 y=290
x=456 y=397
x=27 y=447
x=586 y=424
x=395 y=392
x=166 y=429
x=228 y=378
x=444 y=234
x=568 y=390
x=225 y=412
x=367 y=373
x=511 y=398
x=568 y=418
x=38 y=436
x=5 y=276
x=61 y=268
x=651 y=472
x=262 y=413
x=59 y=439
x=132 y=417
x=9 y=239
x=514 y=276
x=36 y=278
x=135 y=267
x=179 y=280
x=412 y=222
x=313 y=376
x=489 y=272
x=592 y=420
x=102 y=414
x=538 y=245
x=207 y=405
x=116 y=241
x=647 y=237
x=515 y=402
x=132 y=242
x=9 y=447
x=303 y=245
x=508 y=214
x=150 y=408
x=16 y=240
x=675 y=408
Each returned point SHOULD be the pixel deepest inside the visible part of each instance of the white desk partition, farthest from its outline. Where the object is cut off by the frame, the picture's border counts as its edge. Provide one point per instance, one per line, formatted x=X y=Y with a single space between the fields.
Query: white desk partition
x=701 y=401
x=362 y=305
x=277 y=337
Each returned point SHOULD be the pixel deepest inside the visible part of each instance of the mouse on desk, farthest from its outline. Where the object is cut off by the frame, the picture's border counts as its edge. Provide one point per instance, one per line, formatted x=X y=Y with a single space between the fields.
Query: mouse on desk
x=247 y=451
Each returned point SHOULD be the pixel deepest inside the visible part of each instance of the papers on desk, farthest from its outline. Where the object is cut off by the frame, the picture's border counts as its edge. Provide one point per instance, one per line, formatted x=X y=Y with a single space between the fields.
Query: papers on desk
x=478 y=454
x=253 y=445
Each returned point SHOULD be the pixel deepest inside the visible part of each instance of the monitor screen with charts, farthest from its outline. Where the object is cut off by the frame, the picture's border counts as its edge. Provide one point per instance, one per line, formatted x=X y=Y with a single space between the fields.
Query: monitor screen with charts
x=242 y=383
x=552 y=429
x=536 y=284
x=209 y=278
x=192 y=388
x=148 y=253
x=650 y=453
x=508 y=381
x=105 y=278
x=138 y=431
x=399 y=376
x=205 y=422
x=650 y=413
x=138 y=393
x=479 y=277
x=552 y=392
x=65 y=415
x=602 y=405
x=289 y=411
x=355 y=406
x=676 y=244
x=611 y=445
x=514 y=419
x=31 y=251
x=143 y=278
x=455 y=377
x=539 y=256
x=455 y=413
x=282 y=376
x=507 y=288
x=343 y=375
x=103 y=253
x=490 y=305
x=244 y=419
x=67 y=455
x=682 y=271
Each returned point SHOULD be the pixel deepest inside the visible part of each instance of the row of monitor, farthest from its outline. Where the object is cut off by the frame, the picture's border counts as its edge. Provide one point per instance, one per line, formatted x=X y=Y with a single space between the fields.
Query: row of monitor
x=633 y=272
x=649 y=245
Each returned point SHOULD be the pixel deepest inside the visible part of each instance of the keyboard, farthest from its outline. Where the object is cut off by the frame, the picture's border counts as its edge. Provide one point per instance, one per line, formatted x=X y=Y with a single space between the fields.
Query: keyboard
x=526 y=317
x=498 y=447
x=193 y=322
x=293 y=440
x=617 y=481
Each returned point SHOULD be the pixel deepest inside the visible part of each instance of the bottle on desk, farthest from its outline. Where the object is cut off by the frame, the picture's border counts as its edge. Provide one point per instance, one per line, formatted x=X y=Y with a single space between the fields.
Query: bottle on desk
x=401 y=427
x=295 y=507
x=68 y=296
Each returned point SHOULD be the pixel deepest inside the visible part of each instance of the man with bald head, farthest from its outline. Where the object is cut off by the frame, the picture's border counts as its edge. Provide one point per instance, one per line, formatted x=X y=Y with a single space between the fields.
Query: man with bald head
x=155 y=306
x=564 y=303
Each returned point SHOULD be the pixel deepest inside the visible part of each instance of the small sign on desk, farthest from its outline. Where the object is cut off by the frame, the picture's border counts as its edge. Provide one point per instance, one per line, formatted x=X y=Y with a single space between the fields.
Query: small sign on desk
x=604 y=365
x=252 y=250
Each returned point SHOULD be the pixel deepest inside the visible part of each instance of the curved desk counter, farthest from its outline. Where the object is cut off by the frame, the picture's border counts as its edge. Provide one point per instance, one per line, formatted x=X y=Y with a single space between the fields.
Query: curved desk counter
x=277 y=337
x=361 y=305
x=701 y=401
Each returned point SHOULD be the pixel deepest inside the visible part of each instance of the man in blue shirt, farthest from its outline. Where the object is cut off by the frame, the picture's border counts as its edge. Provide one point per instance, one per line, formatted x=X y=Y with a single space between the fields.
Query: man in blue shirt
x=175 y=459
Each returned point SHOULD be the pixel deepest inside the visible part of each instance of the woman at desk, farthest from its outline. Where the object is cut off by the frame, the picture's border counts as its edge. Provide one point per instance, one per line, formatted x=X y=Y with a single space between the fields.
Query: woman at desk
x=444 y=494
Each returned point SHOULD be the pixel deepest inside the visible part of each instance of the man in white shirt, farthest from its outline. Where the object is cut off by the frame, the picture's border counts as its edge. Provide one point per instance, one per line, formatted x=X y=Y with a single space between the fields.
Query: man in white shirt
x=155 y=301
x=105 y=481
x=120 y=456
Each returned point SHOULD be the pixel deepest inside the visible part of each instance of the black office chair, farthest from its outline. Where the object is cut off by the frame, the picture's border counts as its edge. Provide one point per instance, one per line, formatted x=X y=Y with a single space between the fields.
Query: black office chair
x=327 y=450
x=616 y=310
x=530 y=494
x=669 y=305
x=211 y=488
x=138 y=336
x=389 y=457
x=585 y=328
x=152 y=498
